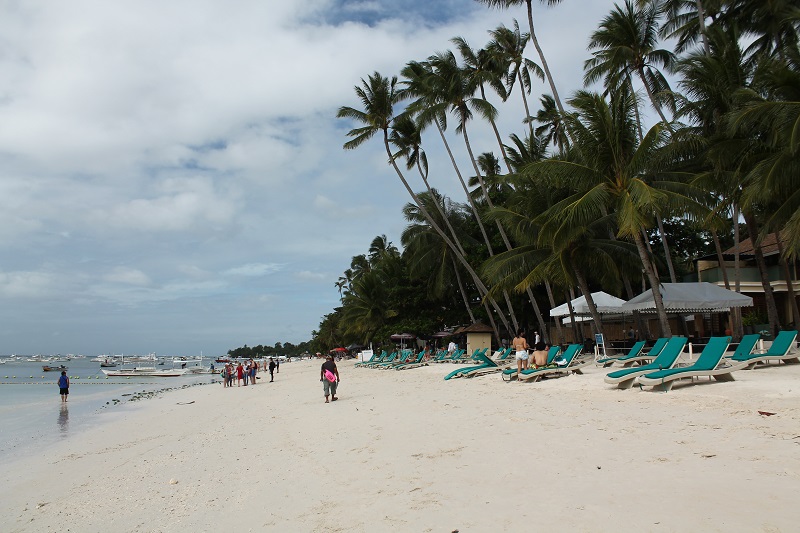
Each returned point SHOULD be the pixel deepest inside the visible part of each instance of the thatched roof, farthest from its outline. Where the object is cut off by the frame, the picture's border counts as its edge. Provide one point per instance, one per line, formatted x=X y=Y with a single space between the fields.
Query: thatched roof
x=477 y=327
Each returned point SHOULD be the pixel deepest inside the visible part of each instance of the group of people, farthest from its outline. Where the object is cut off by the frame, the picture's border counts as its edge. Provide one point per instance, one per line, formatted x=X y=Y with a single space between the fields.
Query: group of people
x=526 y=358
x=244 y=373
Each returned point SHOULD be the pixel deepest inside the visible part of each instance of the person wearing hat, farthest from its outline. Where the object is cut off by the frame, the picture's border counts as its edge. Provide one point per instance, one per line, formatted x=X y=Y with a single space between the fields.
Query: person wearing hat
x=329 y=376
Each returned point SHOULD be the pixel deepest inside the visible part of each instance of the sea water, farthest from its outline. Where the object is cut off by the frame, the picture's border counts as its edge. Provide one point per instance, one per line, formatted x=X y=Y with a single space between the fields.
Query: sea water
x=32 y=414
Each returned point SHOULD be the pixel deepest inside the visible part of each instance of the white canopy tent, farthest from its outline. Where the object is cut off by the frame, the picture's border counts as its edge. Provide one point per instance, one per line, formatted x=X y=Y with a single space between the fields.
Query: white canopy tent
x=604 y=302
x=700 y=297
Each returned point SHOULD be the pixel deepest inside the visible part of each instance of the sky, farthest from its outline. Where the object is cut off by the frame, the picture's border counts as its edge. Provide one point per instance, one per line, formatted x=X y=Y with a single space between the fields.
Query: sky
x=172 y=177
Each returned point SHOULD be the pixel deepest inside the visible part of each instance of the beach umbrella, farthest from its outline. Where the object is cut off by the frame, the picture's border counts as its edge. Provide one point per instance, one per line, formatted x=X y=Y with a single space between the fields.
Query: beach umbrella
x=340 y=349
x=403 y=337
x=354 y=347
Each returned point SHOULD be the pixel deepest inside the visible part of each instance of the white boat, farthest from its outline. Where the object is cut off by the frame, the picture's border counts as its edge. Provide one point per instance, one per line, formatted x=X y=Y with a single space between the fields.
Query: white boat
x=144 y=371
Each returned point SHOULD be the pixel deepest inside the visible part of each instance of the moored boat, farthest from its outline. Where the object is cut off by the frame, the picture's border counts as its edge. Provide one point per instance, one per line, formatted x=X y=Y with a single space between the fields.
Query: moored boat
x=51 y=368
x=142 y=372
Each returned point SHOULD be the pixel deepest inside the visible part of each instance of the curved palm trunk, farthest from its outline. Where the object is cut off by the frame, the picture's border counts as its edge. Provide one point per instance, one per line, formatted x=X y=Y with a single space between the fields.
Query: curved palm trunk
x=666 y=331
x=573 y=322
x=499 y=226
x=769 y=296
x=545 y=67
x=478 y=283
x=587 y=294
x=720 y=259
x=463 y=292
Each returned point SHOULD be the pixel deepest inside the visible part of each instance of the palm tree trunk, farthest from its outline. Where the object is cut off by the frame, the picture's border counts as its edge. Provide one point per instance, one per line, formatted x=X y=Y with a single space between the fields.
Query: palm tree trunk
x=545 y=67
x=478 y=283
x=655 y=285
x=737 y=272
x=769 y=297
x=720 y=259
x=463 y=292
x=788 y=276
x=587 y=293
x=701 y=19
x=667 y=254
x=559 y=331
x=573 y=322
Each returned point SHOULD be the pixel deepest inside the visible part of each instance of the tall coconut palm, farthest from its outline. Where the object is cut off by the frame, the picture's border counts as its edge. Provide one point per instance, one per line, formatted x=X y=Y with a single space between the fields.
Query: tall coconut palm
x=378 y=96
x=551 y=130
x=505 y=4
x=616 y=173
x=625 y=45
x=509 y=47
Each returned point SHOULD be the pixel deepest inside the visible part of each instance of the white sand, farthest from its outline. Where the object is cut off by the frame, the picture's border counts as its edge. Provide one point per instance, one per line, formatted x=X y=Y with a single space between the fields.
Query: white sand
x=407 y=451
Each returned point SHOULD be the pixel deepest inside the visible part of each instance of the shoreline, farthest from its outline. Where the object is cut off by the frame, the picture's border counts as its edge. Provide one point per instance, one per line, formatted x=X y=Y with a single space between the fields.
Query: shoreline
x=408 y=451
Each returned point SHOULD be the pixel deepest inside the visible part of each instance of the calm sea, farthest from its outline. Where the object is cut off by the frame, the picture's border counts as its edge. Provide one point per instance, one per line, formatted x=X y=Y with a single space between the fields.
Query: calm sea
x=32 y=414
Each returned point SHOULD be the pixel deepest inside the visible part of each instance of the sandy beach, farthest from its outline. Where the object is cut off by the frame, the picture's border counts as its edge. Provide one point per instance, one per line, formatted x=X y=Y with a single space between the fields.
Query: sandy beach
x=407 y=451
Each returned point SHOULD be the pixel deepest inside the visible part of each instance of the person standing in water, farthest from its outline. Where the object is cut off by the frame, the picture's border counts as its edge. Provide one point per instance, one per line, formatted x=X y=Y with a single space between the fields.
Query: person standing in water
x=63 y=385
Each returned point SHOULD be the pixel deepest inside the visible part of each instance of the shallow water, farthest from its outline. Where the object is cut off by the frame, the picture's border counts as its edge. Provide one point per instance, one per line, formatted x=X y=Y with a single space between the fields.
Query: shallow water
x=32 y=414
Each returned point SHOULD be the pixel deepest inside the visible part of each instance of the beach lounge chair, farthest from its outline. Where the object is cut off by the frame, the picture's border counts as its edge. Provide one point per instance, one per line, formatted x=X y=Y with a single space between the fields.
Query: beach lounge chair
x=455 y=357
x=399 y=358
x=503 y=357
x=374 y=359
x=643 y=358
x=485 y=365
x=746 y=346
x=511 y=372
x=567 y=363
x=383 y=360
x=783 y=349
x=635 y=351
x=711 y=363
x=624 y=378
x=414 y=361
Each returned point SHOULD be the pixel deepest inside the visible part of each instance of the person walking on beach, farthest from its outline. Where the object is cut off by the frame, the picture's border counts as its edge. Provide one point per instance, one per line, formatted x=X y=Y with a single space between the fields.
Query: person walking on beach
x=63 y=385
x=278 y=366
x=253 y=371
x=520 y=346
x=272 y=367
x=329 y=376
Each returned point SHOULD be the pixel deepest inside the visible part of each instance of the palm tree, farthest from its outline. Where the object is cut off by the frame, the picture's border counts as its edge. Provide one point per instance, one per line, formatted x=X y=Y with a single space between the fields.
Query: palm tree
x=505 y=4
x=552 y=127
x=509 y=47
x=615 y=173
x=378 y=95
x=626 y=45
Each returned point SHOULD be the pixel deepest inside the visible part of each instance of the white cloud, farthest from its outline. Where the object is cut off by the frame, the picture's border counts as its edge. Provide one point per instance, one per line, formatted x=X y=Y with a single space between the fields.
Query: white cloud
x=179 y=138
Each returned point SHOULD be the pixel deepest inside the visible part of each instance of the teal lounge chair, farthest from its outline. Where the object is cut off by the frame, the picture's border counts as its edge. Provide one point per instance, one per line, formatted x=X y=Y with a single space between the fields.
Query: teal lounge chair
x=635 y=351
x=415 y=361
x=374 y=359
x=711 y=363
x=782 y=349
x=643 y=358
x=565 y=364
x=624 y=378
x=746 y=346
x=398 y=358
x=387 y=359
x=511 y=373
x=454 y=357
x=486 y=365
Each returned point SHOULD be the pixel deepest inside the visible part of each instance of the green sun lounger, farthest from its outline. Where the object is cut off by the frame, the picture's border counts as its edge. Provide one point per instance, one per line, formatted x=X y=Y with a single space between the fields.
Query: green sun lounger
x=711 y=363
x=635 y=351
x=485 y=364
x=643 y=358
x=374 y=359
x=511 y=372
x=415 y=361
x=624 y=378
x=783 y=349
x=566 y=364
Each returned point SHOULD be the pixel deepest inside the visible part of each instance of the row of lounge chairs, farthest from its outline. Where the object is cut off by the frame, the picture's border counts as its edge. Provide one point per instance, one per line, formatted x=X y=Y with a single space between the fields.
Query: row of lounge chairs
x=664 y=370
x=395 y=361
x=659 y=367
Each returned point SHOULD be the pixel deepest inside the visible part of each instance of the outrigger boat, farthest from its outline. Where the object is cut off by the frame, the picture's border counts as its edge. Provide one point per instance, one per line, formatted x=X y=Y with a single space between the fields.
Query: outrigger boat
x=48 y=368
